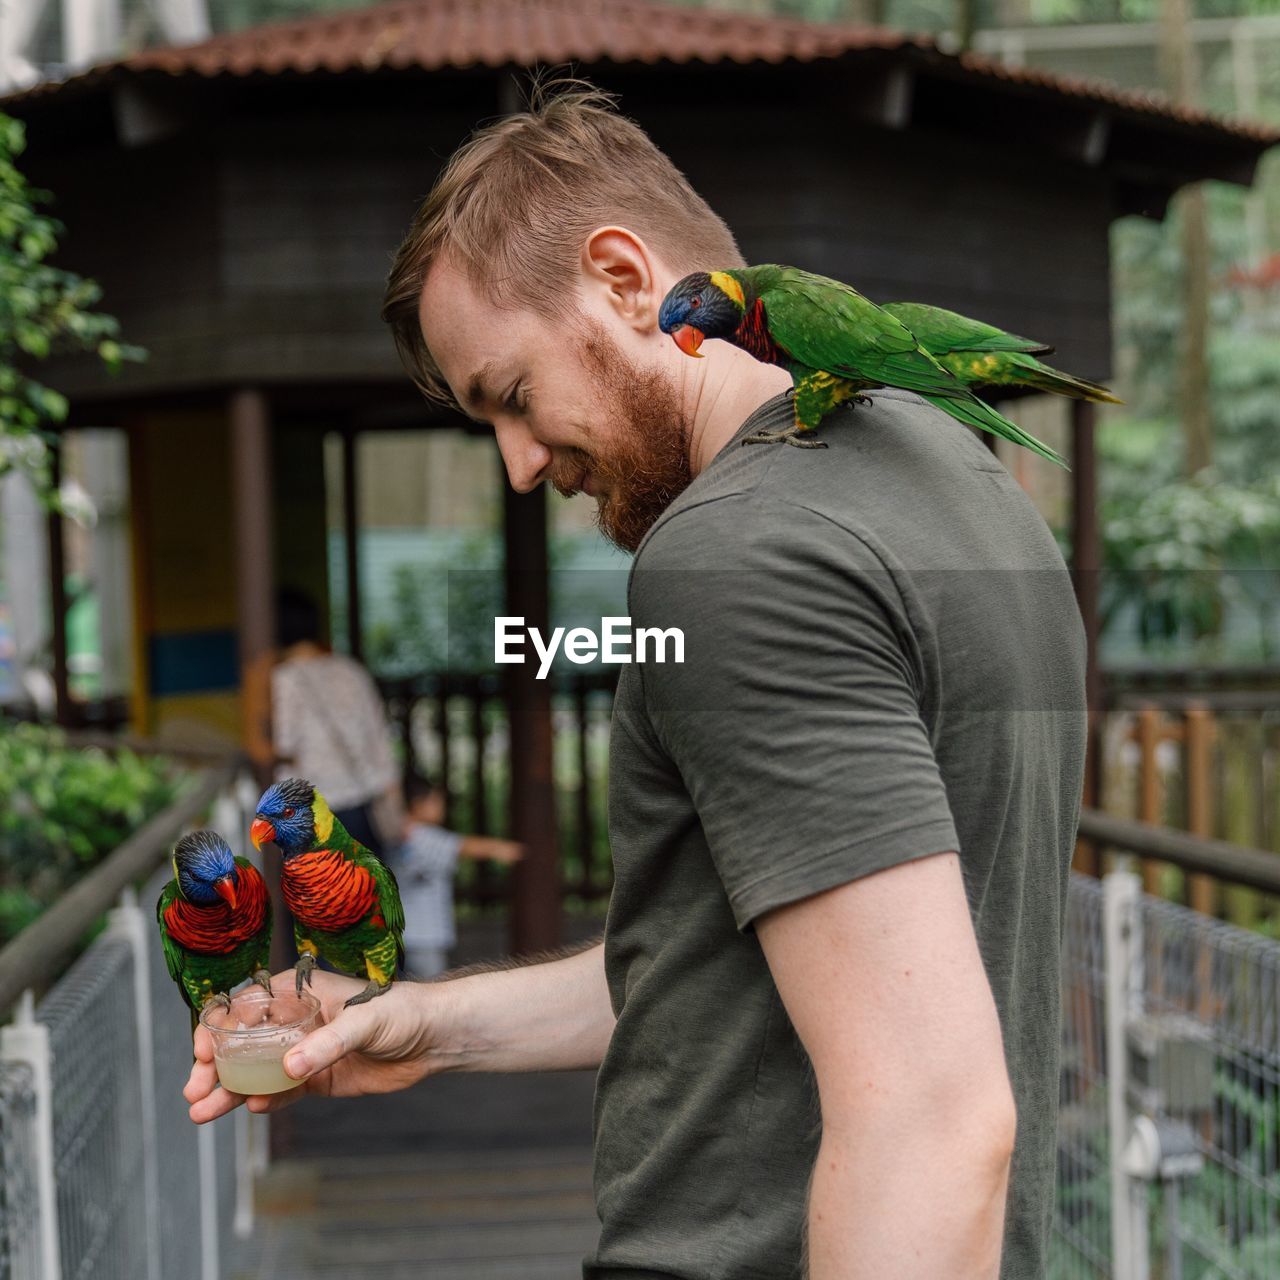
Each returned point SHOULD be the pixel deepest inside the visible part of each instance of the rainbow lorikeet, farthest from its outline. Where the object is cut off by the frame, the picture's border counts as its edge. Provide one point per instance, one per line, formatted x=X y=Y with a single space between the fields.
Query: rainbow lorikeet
x=834 y=342
x=215 y=921
x=345 y=902
x=980 y=355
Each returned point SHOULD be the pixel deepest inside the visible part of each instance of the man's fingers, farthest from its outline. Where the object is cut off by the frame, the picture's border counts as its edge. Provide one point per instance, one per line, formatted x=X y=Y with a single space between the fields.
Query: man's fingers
x=202 y=1045
x=322 y=1048
x=262 y=1103
x=218 y=1103
x=202 y=1081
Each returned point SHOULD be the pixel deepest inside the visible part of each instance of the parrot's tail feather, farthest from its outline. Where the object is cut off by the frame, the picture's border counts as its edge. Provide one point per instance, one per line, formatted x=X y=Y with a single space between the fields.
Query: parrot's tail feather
x=1044 y=377
x=976 y=413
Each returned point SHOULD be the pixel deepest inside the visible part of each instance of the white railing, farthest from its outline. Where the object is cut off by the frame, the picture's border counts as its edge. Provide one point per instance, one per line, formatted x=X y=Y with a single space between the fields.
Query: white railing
x=102 y=1174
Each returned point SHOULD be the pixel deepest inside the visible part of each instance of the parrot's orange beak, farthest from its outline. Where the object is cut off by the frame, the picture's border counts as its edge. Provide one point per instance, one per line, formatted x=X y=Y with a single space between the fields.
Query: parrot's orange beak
x=226 y=890
x=262 y=832
x=688 y=339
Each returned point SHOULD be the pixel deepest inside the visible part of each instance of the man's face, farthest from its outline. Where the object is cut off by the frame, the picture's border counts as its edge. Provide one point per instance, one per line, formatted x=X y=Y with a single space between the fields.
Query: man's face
x=573 y=403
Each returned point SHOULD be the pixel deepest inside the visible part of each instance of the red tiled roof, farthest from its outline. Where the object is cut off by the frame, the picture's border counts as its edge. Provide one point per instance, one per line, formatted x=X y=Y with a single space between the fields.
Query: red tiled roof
x=431 y=34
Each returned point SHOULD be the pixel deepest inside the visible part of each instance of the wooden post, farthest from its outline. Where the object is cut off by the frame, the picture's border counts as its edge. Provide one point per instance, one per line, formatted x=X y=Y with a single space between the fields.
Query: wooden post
x=1086 y=567
x=535 y=909
x=1086 y=541
x=58 y=596
x=251 y=503
x=1197 y=743
x=1203 y=896
x=1149 y=798
x=351 y=542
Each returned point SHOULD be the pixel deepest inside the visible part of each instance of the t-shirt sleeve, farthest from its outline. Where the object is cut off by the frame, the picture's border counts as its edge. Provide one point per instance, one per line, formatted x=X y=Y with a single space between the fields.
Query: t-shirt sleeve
x=795 y=718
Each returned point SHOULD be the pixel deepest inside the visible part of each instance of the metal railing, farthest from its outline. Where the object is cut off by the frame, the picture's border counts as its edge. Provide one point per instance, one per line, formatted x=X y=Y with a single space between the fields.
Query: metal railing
x=102 y=1175
x=1169 y=1120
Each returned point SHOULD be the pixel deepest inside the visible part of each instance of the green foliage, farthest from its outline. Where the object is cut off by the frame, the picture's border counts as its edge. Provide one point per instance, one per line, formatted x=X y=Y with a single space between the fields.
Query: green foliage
x=62 y=809
x=44 y=311
x=1181 y=555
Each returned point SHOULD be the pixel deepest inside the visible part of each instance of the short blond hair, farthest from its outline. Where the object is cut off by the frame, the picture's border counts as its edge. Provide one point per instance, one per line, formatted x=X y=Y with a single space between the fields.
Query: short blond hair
x=514 y=205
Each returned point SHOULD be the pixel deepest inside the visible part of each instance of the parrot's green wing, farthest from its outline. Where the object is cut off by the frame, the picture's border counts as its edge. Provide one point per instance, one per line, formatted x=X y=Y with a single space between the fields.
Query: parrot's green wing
x=824 y=324
x=940 y=331
x=389 y=900
x=173 y=953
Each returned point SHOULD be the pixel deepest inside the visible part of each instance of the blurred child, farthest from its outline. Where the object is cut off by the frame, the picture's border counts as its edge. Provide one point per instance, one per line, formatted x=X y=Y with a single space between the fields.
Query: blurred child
x=424 y=866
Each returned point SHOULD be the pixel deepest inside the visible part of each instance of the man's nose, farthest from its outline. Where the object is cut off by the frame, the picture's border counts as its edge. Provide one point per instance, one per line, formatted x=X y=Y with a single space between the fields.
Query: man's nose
x=527 y=460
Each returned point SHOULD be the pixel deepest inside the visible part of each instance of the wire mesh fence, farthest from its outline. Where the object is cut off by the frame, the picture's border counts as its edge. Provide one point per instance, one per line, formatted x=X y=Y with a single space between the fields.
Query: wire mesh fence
x=96 y=1131
x=1082 y=1225
x=1193 y=1155
x=102 y=1174
x=18 y=1209
x=1208 y=1058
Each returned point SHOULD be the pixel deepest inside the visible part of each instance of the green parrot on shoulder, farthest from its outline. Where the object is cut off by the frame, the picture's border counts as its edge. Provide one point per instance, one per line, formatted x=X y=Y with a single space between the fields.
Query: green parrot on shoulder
x=345 y=901
x=834 y=342
x=215 y=921
x=980 y=355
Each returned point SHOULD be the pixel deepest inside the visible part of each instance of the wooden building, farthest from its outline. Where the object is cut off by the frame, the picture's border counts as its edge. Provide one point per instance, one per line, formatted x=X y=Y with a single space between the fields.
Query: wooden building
x=239 y=201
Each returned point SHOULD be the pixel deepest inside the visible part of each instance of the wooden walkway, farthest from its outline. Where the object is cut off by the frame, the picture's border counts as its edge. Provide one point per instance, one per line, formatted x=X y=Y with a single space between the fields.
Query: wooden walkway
x=460 y=1178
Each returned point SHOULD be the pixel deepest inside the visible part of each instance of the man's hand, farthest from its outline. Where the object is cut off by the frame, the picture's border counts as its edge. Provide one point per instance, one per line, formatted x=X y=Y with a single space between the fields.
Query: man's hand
x=378 y=1047
x=554 y=1015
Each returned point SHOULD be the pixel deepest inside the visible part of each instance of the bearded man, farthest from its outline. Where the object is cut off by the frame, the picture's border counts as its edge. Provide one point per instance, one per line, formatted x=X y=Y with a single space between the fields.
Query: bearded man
x=825 y=1011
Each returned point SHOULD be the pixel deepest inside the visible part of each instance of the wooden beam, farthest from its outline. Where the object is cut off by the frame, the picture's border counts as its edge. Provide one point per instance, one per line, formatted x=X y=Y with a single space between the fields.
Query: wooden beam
x=351 y=543
x=251 y=504
x=535 y=910
x=1086 y=540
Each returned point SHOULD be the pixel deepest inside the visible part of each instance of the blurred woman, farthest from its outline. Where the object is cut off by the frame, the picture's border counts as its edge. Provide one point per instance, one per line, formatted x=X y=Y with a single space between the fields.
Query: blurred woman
x=329 y=725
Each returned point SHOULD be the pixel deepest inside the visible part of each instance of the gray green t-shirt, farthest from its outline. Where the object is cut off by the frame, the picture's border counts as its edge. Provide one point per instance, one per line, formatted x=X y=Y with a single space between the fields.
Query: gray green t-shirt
x=883 y=661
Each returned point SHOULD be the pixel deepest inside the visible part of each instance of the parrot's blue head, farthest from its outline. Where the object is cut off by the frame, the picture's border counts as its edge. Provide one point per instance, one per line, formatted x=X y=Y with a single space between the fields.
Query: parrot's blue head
x=702 y=305
x=205 y=868
x=287 y=817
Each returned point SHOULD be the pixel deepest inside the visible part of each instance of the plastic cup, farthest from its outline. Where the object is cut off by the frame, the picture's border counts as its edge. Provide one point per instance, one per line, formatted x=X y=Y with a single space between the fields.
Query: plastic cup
x=251 y=1038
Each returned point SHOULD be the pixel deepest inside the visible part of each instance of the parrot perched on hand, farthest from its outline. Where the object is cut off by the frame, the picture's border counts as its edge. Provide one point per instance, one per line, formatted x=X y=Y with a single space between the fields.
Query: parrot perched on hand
x=980 y=355
x=834 y=342
x=345 y=902
x=215 y=921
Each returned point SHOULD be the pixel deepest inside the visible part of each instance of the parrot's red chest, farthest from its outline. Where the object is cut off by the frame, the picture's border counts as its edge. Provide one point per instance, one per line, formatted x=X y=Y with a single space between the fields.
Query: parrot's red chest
x=753 y=336
x=326 y=891
x=217 y=930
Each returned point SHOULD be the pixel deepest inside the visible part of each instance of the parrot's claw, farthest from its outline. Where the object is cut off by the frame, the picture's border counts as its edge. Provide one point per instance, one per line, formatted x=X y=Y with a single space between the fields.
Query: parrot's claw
x=863 y=400
x=220 y=997
x=789 y=435
x=372 y=990
x=302 y=970
x=263 y=978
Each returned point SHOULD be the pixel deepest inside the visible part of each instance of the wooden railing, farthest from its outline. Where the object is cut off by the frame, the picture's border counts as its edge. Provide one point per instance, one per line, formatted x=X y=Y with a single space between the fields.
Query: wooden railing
x=1203 y=768
x=453 y=726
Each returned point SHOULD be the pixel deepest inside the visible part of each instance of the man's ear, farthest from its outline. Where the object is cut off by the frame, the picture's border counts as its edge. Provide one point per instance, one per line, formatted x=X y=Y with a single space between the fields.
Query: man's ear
x=617 y=264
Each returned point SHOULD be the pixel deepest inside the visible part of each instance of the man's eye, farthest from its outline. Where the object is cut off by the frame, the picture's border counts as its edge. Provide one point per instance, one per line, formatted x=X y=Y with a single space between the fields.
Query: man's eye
x=513 y=400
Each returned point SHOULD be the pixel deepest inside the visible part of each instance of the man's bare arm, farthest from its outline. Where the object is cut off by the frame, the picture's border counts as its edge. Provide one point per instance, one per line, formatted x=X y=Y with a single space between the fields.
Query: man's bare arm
x=885 y=986
x=540 y=1013
x=548 y=1016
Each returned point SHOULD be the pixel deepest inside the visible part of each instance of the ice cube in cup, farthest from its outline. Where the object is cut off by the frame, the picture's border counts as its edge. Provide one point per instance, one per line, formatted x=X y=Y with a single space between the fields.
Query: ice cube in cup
x=251 y=1038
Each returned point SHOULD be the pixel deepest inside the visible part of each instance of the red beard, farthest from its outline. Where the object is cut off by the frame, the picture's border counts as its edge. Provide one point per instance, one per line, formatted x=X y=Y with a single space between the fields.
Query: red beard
x=647 y=466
